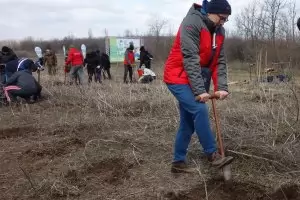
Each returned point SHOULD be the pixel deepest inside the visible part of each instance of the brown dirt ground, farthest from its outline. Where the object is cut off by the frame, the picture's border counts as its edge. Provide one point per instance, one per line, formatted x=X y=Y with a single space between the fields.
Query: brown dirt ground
x=70 y=146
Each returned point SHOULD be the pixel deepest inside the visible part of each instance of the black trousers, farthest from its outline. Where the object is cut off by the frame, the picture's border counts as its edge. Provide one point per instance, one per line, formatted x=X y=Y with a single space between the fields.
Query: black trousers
x=127 y=68
x=25 y=94
x=107 y=70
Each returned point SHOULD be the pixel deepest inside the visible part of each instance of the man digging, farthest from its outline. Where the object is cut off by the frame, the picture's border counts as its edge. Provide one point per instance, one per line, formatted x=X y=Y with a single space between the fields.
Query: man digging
x=197 y=56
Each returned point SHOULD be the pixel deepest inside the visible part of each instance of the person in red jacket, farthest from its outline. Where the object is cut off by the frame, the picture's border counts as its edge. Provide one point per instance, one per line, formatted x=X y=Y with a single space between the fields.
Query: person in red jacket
x=129 y=60
x=75 y=59
x=196 y=57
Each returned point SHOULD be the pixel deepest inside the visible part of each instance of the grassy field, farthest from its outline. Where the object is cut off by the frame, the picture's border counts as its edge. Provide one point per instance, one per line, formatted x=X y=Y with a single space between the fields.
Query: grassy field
x=115 y=141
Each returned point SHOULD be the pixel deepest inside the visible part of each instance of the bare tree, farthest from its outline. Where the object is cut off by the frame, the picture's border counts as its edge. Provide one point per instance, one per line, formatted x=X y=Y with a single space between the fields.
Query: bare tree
x=293 y=12
x=284 y=31
x=128 y=33
x=247 y=20
x=156 y=26
x=273 y=9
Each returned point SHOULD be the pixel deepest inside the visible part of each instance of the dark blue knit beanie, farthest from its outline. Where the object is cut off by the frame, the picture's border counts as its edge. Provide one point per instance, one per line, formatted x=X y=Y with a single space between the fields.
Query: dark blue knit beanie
x=219 y=7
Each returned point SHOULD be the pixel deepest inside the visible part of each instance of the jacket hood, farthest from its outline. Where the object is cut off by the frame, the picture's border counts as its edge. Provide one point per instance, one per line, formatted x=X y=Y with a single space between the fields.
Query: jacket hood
x=196 y=10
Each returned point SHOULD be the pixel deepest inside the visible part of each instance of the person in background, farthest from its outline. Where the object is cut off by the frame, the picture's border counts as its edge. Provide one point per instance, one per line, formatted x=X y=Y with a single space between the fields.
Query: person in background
x=147 y=75
x=92 y=61
x=145 y=58
x=50 y=60
x=129 y=61
x=23 y=84
x=99 y=68
x=2 y=72
x=196 y=57
x=75 y=59
x=6 y=55
x=21 y=64
x=298 y=23
x=105 y=63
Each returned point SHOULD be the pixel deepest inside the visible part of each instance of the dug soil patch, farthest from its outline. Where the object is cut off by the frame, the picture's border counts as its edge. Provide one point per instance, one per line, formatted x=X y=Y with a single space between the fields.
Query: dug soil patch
x=235 y=191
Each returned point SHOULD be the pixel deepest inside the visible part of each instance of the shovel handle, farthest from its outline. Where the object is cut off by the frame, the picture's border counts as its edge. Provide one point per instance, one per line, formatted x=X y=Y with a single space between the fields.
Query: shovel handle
x=218 y=131
x=214 y=96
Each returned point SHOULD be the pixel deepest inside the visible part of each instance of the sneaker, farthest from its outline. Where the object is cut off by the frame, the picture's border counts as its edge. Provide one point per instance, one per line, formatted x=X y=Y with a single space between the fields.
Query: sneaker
x=218 y=161
x=180 y=167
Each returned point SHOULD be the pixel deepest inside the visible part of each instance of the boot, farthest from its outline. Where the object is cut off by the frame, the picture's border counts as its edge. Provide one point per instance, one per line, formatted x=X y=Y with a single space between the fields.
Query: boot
x=216 y=160
x=181 y=167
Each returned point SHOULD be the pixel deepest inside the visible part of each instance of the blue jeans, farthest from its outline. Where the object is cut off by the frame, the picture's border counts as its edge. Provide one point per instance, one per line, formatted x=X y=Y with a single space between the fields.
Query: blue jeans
x=77 y=71
x=194 y=116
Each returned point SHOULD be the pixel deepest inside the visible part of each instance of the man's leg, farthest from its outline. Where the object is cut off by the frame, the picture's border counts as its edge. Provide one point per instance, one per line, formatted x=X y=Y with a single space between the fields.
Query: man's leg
x=101 y=74
x=184 y=134
x=90 y=74
x=125 y=73
x=130 y=73
x=108 y=73
x=37 y=95
x=23 y=94
x=49 y=69
x=72 y=74
x=80 y=74
x=147 y=64
x=199 y=112
x=54 y=70
x=9 y=94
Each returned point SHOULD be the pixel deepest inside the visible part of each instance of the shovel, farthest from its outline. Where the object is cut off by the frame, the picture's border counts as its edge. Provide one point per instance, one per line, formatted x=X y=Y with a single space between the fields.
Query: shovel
x=226 y=169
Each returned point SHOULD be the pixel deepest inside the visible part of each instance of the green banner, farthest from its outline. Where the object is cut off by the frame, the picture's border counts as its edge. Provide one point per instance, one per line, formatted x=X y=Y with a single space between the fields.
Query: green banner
x=118 y=46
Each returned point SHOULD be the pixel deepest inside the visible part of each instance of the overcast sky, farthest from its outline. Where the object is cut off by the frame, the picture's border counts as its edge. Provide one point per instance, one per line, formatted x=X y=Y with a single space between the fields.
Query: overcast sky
x=58 y=18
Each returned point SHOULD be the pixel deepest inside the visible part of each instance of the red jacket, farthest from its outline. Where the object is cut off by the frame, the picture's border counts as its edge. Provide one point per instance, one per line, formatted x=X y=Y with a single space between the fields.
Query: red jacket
x=75 y=57
x=192 y=53
x=129 y=57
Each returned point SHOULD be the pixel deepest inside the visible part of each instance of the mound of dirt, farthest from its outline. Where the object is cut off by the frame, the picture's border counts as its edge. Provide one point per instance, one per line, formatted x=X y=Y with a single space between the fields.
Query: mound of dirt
x=235 y=191
x=55 y=148
x=289 y=192
x=112 y=171
x=16 y=132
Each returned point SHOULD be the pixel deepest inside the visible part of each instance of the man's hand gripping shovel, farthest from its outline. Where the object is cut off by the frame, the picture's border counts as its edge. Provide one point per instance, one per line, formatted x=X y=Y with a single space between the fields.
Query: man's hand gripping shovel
x=226 y=169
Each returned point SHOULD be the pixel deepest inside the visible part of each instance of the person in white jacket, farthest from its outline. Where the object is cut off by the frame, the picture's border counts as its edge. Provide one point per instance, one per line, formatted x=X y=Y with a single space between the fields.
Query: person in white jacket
x=148 y=75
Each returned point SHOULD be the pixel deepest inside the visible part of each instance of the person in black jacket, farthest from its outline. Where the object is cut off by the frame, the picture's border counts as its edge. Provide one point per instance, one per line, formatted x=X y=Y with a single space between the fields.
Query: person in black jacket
x=6 y=55
x=145 y=58
x=22 y=84
x=21 y=64
x=92 y=61
x=298 y=23
x=105 y=63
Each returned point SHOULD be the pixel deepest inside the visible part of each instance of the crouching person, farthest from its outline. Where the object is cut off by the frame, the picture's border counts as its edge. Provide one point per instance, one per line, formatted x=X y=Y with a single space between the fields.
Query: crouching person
x=22 y=84
x=146 y=75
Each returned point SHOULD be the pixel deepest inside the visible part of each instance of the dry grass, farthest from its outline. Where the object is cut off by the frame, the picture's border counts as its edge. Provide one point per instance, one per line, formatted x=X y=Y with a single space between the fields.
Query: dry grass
x=115 y=141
